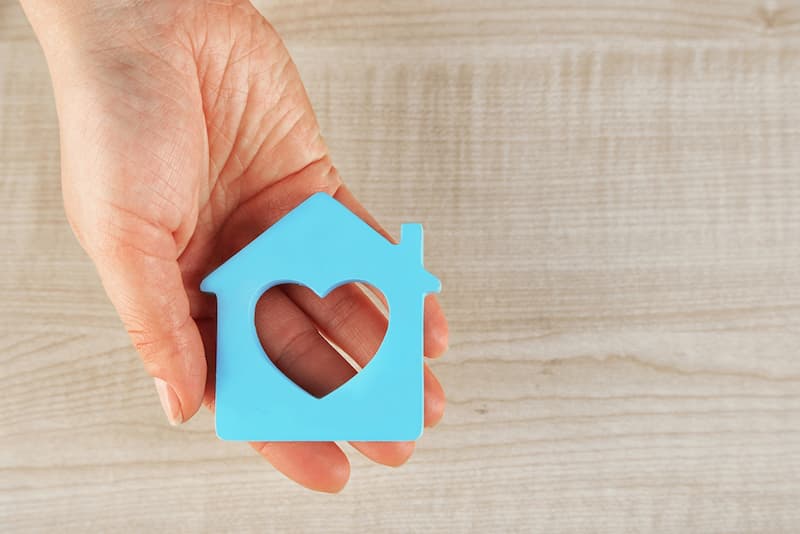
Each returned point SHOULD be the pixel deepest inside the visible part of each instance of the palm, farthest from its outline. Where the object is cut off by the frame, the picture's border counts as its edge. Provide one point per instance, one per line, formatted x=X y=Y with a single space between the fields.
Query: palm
x=204 y=137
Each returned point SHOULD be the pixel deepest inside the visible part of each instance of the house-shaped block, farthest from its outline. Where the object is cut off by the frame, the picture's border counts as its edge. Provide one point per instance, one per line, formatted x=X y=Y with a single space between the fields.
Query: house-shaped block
x=321 y=244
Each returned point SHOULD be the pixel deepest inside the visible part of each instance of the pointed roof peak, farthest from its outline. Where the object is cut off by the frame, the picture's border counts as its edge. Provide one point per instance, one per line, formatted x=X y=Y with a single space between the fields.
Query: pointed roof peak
x=319 y=232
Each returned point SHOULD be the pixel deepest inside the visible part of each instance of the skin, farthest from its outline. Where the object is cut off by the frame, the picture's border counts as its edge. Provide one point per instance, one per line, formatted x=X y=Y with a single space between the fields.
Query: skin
x=186 y=132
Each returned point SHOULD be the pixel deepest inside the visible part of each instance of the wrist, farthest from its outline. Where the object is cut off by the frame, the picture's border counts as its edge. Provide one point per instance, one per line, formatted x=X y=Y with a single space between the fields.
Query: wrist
x=53 y=21
x=61 y=26
x=79 y=35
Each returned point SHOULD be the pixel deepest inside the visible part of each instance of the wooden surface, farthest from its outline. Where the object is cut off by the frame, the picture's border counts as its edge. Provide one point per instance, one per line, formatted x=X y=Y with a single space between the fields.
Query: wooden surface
x=611 y=193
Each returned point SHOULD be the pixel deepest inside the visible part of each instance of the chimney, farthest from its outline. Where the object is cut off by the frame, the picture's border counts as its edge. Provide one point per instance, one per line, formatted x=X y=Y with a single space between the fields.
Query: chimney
x=411 y=242
x=411 y=247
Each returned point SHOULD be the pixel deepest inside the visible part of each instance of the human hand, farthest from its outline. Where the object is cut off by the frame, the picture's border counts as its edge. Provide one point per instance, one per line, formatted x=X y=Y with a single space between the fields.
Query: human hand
x=186 y=132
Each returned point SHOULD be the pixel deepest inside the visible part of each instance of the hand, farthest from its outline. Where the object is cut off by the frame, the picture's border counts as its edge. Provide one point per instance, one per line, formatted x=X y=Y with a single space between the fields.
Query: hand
x=186 y=132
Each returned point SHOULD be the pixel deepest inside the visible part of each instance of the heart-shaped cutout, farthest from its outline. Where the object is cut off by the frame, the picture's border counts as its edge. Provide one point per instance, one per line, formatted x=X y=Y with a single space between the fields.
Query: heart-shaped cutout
x=320 y=343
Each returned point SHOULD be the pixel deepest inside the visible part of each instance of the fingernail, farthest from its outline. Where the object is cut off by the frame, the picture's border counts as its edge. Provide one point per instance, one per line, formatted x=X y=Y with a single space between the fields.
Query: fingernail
x=169 y=401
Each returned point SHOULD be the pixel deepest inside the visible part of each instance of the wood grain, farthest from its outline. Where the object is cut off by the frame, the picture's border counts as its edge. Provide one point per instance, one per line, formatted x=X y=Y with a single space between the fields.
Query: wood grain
x=611 y=194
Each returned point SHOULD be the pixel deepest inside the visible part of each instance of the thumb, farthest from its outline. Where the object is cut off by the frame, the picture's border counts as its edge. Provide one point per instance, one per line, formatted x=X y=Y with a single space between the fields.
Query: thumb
x=149 y=295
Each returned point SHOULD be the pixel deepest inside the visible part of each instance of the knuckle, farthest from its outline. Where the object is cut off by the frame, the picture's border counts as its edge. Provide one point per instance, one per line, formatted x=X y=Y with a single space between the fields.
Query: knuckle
x=158 y=347
x=296 y=346
x=332 y=180
x=343 y=309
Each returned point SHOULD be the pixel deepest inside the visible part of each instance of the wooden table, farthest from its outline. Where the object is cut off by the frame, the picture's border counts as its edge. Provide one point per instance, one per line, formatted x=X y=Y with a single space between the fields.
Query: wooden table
x=611 y=192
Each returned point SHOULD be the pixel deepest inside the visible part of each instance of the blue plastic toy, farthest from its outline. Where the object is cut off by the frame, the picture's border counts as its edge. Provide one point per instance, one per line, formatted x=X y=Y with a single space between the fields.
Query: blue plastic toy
x=322 y=245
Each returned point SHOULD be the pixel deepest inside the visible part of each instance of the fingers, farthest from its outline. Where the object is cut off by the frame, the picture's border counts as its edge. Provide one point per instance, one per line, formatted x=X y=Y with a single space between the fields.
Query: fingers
x=434 y=398
x=148 y=293
x=350 y=319
x=291 y=340
x=436 y=330
x=393 y=454
x=318 y=466
x=347 y=316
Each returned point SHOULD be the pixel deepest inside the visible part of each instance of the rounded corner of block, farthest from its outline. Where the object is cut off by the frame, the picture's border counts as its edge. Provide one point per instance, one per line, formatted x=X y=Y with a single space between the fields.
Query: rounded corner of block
x=417 y=434
x=225 y=434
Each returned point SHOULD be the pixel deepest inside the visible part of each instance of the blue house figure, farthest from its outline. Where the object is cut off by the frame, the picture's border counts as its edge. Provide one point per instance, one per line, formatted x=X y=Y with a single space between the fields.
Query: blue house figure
x=321 y=244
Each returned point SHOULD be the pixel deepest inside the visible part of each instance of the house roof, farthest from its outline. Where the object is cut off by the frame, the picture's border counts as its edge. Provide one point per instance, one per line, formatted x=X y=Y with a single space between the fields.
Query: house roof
x=321 y=240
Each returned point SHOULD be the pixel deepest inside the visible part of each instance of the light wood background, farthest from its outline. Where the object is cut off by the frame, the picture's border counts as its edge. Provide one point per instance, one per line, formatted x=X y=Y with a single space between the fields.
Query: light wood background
x=611 y=194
